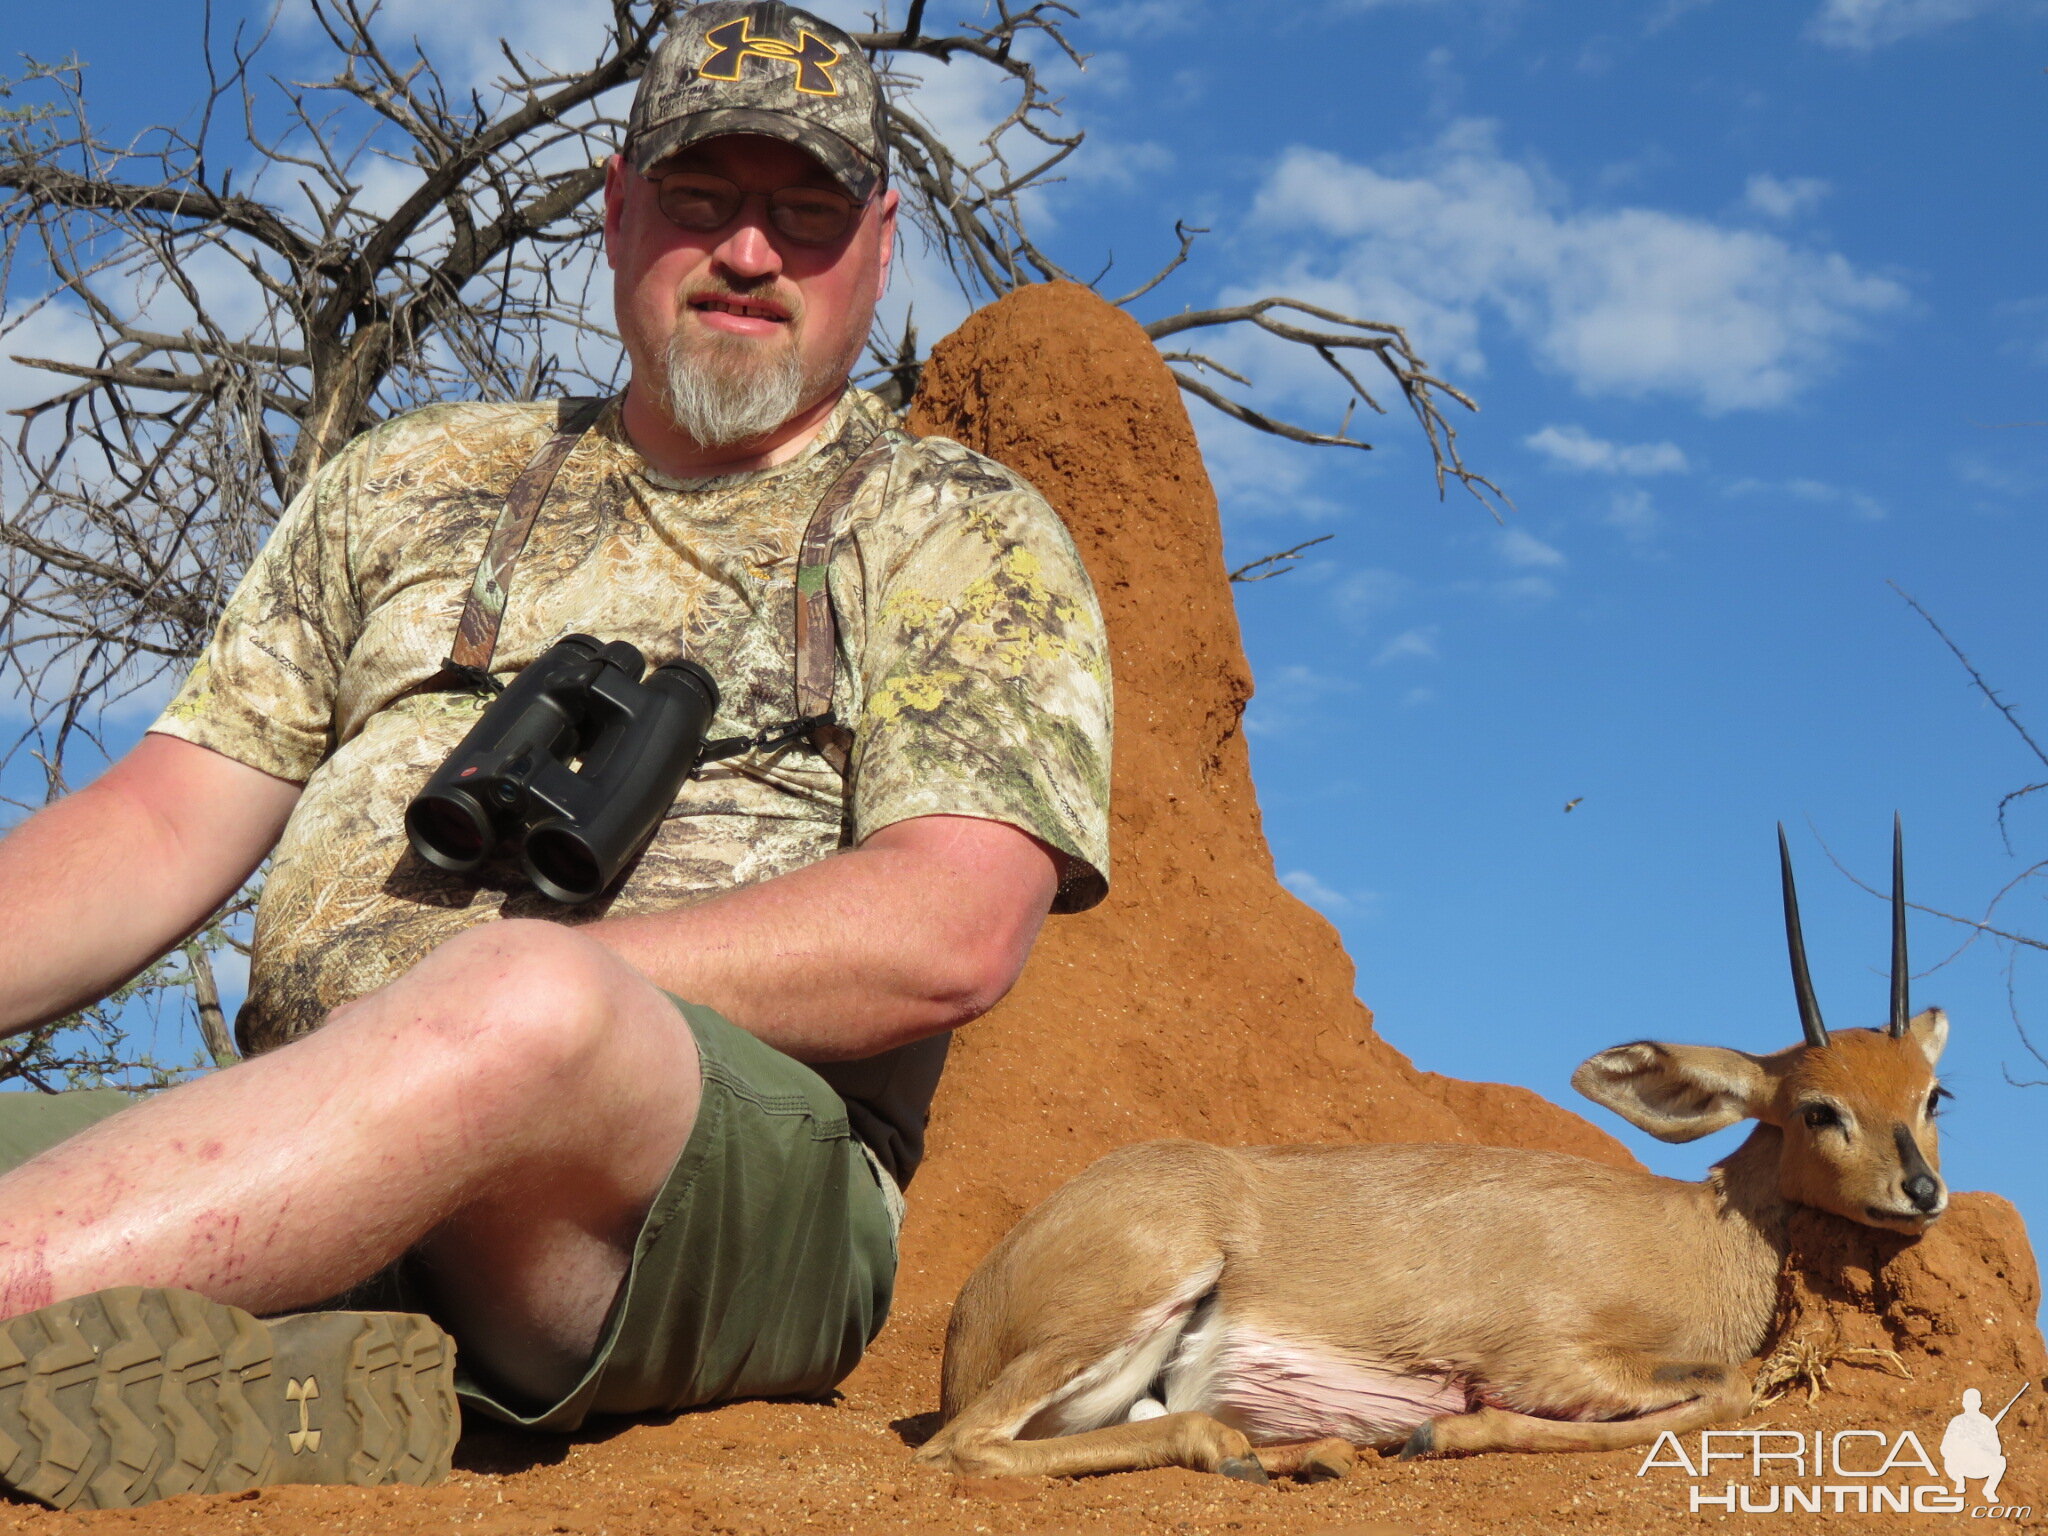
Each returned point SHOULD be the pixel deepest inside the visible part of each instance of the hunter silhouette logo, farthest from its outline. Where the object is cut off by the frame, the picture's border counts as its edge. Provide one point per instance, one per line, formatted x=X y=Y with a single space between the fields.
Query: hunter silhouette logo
x=1849 y=1471
x=732 y=43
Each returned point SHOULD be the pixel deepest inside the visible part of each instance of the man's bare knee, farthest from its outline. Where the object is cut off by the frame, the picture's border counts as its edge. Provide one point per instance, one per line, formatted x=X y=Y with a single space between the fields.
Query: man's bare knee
x=523 y=1005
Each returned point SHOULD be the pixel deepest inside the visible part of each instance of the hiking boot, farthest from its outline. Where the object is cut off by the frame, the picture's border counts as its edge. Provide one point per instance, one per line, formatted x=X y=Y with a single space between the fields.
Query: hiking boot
x=133 y=1394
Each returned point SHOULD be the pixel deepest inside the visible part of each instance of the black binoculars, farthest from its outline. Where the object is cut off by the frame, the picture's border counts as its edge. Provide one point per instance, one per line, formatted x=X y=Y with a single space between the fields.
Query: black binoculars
x=512 y=779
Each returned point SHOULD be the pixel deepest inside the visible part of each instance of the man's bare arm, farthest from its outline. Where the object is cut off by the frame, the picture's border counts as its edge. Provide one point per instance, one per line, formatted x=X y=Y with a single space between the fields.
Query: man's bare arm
x=921 y=928
x=105 y=880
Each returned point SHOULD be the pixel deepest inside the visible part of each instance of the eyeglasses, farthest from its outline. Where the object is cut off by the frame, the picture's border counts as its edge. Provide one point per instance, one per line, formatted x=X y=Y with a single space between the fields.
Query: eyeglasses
x=701 y=203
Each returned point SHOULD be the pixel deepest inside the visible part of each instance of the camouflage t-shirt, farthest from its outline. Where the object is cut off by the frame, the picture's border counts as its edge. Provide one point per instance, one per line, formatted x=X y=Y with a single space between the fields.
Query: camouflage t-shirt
x=972 y=670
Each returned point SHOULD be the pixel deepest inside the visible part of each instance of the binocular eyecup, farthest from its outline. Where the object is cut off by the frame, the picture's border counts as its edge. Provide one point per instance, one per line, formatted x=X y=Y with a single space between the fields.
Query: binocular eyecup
x=511 y=779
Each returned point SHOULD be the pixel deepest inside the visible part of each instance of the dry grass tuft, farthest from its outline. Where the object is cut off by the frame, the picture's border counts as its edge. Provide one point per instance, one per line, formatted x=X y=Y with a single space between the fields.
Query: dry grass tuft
x=1805 y=1360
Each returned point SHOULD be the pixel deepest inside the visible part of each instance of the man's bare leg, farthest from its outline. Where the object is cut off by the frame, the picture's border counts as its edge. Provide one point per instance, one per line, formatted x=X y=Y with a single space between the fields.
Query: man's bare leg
x=510 y=1107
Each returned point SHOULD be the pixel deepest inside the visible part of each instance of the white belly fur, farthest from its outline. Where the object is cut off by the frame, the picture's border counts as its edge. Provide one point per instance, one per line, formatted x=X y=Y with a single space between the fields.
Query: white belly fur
x=1183 y=1357
x=1278 y=1390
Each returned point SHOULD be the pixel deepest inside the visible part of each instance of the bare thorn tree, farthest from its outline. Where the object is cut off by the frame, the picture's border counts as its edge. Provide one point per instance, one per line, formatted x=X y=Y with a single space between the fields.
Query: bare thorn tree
x=2027 y=880
x=2011 y=717
x=298 y=260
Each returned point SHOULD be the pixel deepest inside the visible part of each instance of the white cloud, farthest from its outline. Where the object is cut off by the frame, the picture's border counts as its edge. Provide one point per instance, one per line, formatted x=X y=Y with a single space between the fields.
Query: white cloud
x=1982 y=473
x=1327 y=898
x=1521 y=591
x=1143 y=20
x=1366 y=595
x=2028 y=319
x=49 y=672
x=231 y=975
x=1783 y=197
x=1293 y=698
x=1821 y=492
x=961 y=102
x=1866 y=24
x=1813 y=492
x=1668 y=12
x=54 y=330
x=1633 y=514
x=1418 y=644
x=462 y=36
x=1520 y=547
x=921 y=288
x=1576 y=448
x=1446 y=82
x=1314 y=892
x=1629 y=301
x=1256 y=474
x=1295 y=683
x=58 y=328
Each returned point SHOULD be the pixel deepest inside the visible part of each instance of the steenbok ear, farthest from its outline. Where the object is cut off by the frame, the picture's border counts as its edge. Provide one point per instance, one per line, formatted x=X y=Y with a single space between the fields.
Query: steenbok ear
x=1928 y=1029
x=1675 y=1092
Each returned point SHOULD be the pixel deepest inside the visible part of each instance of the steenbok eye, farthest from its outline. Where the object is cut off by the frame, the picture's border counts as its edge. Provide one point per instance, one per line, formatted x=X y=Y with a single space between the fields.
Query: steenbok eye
x=1820 y=1116
x=1934 y=1101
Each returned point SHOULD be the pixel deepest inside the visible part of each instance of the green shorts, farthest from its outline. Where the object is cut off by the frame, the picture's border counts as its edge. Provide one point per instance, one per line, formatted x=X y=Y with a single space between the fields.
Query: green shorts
x=763 y=1268
x=35 y=1122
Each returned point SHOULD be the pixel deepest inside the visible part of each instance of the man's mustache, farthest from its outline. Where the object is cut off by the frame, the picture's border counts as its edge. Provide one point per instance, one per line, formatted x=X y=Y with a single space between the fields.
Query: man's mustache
x=782 y=305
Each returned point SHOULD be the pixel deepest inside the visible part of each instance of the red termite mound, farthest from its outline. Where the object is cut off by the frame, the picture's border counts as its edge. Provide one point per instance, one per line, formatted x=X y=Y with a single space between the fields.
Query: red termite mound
x=1923 y=1318
x=1202 y=999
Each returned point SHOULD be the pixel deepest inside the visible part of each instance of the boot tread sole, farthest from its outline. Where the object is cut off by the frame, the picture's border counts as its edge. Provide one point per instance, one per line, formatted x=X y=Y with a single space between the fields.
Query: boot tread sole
x=138 y=1393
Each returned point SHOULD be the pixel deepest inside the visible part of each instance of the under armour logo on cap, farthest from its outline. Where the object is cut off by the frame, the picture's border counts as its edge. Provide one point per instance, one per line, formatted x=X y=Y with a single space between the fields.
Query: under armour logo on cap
x=734 y=42
x=761 y=67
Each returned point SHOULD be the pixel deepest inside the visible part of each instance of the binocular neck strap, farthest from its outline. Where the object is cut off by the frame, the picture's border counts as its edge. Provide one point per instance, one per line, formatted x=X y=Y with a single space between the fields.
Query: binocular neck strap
x=817 y=631
x=476 y=636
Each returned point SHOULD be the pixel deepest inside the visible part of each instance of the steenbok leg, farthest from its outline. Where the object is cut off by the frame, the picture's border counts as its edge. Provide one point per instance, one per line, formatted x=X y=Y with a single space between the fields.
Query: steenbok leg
x=1722 y=1396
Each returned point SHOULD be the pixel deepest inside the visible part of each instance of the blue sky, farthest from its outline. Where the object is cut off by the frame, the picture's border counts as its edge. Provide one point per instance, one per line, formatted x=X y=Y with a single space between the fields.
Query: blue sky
x=1753 y=298
x=1746 y=292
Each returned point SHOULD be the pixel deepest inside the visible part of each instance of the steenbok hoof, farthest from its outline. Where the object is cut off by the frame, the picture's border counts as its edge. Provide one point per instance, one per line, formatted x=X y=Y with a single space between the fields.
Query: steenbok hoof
x=1245 y=1469
x=1421 y=1442
x=1315 y=1461
x=1326 y=1462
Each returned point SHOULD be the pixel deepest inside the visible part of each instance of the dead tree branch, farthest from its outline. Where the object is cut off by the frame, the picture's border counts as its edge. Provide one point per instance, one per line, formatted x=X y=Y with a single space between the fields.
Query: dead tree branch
x=1280 y=561
x=2016 y=942
x=1338 y=334
x=1983 y=687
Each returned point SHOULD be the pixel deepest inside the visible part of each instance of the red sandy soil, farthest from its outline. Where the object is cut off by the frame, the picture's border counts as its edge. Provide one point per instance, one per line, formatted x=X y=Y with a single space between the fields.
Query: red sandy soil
x=1200 y=1000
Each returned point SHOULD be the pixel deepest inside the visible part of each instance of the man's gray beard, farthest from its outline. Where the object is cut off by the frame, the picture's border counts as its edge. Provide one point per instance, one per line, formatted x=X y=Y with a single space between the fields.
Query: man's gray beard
x=721 y=392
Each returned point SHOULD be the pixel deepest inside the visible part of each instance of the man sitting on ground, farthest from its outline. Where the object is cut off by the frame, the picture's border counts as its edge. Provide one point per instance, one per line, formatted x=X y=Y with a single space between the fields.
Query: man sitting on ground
x=635 y=1155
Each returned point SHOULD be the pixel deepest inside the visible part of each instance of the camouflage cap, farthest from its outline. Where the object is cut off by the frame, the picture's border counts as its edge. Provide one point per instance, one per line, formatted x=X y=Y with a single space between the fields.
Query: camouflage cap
x=758 y=66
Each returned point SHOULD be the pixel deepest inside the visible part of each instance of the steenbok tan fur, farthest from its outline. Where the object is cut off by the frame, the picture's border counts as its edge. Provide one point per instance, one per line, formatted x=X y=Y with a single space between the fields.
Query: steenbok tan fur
x=1263 y=1310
